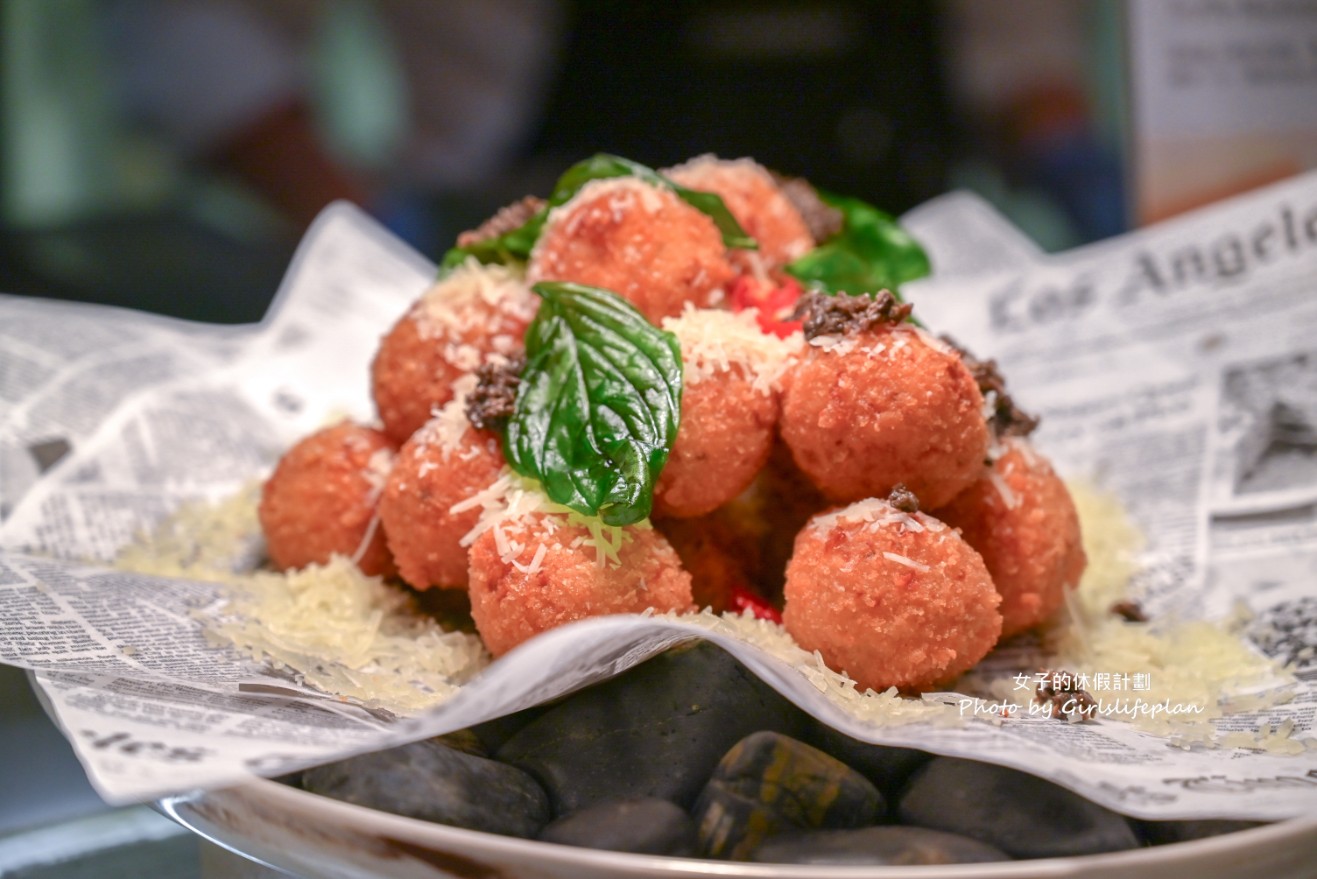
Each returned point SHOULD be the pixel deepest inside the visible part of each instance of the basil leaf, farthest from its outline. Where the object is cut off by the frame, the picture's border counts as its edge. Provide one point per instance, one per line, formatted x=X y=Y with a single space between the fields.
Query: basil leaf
x=871 y=253
x=602 y=166
x=515 y=246
x=599 y=403
x=510 y=247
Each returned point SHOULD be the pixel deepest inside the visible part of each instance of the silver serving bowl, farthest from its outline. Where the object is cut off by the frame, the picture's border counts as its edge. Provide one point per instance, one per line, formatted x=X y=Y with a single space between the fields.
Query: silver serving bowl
x=321 y=838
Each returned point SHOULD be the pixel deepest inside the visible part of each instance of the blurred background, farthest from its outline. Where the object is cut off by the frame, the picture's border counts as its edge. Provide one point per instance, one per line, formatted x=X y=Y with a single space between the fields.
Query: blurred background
x=168 y=155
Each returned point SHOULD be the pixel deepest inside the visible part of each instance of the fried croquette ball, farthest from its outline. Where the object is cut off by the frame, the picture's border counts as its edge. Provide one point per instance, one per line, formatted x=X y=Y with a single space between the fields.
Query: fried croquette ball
x=890 y=405
x=639 y=241
x=537 y=571
x=710 y=550
x=784 y=500
x=757 y=203
x=321 y=500
x=729 y=409
x=442 y=466
x=1019 y=516
x=468 y=316
x=894 y=599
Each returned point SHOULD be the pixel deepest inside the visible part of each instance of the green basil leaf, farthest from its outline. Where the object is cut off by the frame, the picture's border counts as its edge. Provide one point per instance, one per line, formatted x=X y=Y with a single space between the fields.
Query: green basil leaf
x=602 y=166
x=515 y=246
x=871 y=253
x=599 y=403
x=510 y=247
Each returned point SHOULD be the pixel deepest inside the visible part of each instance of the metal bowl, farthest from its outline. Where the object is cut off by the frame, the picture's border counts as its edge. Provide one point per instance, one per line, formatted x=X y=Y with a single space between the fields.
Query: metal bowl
x=320 y=838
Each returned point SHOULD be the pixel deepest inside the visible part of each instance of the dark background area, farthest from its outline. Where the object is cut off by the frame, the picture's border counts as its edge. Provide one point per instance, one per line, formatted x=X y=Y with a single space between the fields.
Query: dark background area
x=849 y=95
x=858 y=97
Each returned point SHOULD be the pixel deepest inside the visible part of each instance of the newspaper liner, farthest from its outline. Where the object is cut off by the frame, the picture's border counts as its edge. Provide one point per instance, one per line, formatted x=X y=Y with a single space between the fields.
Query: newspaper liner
x=1146 y=356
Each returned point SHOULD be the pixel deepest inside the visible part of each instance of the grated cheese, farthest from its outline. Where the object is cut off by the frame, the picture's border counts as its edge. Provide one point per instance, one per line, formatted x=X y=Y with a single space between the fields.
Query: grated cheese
x=1204 y=669
x=841 y=344
x=1008 y=497
x=905 y=560
x=875 y=513
x=338 y=630
x=715 y=341
x=512 y=499
x=359 y=638
x=448 y=424
x=472 y=297
x=377 y=470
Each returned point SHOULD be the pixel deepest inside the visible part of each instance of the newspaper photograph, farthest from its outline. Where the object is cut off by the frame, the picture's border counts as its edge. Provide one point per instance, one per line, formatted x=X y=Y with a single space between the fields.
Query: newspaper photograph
x=1176 y=380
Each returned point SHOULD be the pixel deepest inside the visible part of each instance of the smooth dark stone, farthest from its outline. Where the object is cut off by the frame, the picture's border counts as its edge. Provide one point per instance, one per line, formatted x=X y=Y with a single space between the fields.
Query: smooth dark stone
x=770 y=783
x=887 y=767
x=430 y=781
x=876 y=846
x=1167 y=832
x=493 y=733
x=657 y=730
x=645 y=826
x=463 y=740
x=1021 y=814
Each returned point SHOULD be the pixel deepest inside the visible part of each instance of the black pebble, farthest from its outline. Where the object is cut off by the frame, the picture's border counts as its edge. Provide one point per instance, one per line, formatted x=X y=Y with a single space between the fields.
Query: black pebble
x=646 y=826
x=1167 y=832
x=876 y=846
x=1021 y=814
x=655 y=731
x=433 y=782
x=769 y=783
x=887 y=767
x=493 y=733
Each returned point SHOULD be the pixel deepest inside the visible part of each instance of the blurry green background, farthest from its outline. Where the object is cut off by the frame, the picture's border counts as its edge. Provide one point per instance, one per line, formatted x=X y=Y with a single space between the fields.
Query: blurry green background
x=110 y=194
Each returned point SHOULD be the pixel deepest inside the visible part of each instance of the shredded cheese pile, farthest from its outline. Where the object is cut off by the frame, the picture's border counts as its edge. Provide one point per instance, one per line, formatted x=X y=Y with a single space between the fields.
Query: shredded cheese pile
x=475 y=300
x=448 y=424
x=714 y=340
x=470 y=295
x=357 y=637
x=349 y=634
x=1204 y=669
x=338 y=630
x=512 y=499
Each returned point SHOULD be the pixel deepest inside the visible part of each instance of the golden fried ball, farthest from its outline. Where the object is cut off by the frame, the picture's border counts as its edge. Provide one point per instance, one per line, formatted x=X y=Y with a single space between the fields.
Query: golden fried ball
x=533 y=573
x=472 y=314
x=725 y=436
x=731 y=376
x=639 y=241
x=444 y=464
x=784 y=500
x=755 y=200
x=713 y=549
x=1021 y=519
x=321 y=500
x=893 y=599
x=863 y=413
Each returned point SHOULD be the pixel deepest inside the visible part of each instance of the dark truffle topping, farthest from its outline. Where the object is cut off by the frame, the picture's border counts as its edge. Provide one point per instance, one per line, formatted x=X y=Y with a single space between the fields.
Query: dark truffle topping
x=822 y=220
x=903 y=499
x=1007 y=419
x=511 y=217
x=1061 y=691
x=1129 y=611
x=494 y=399
x=827 y=315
